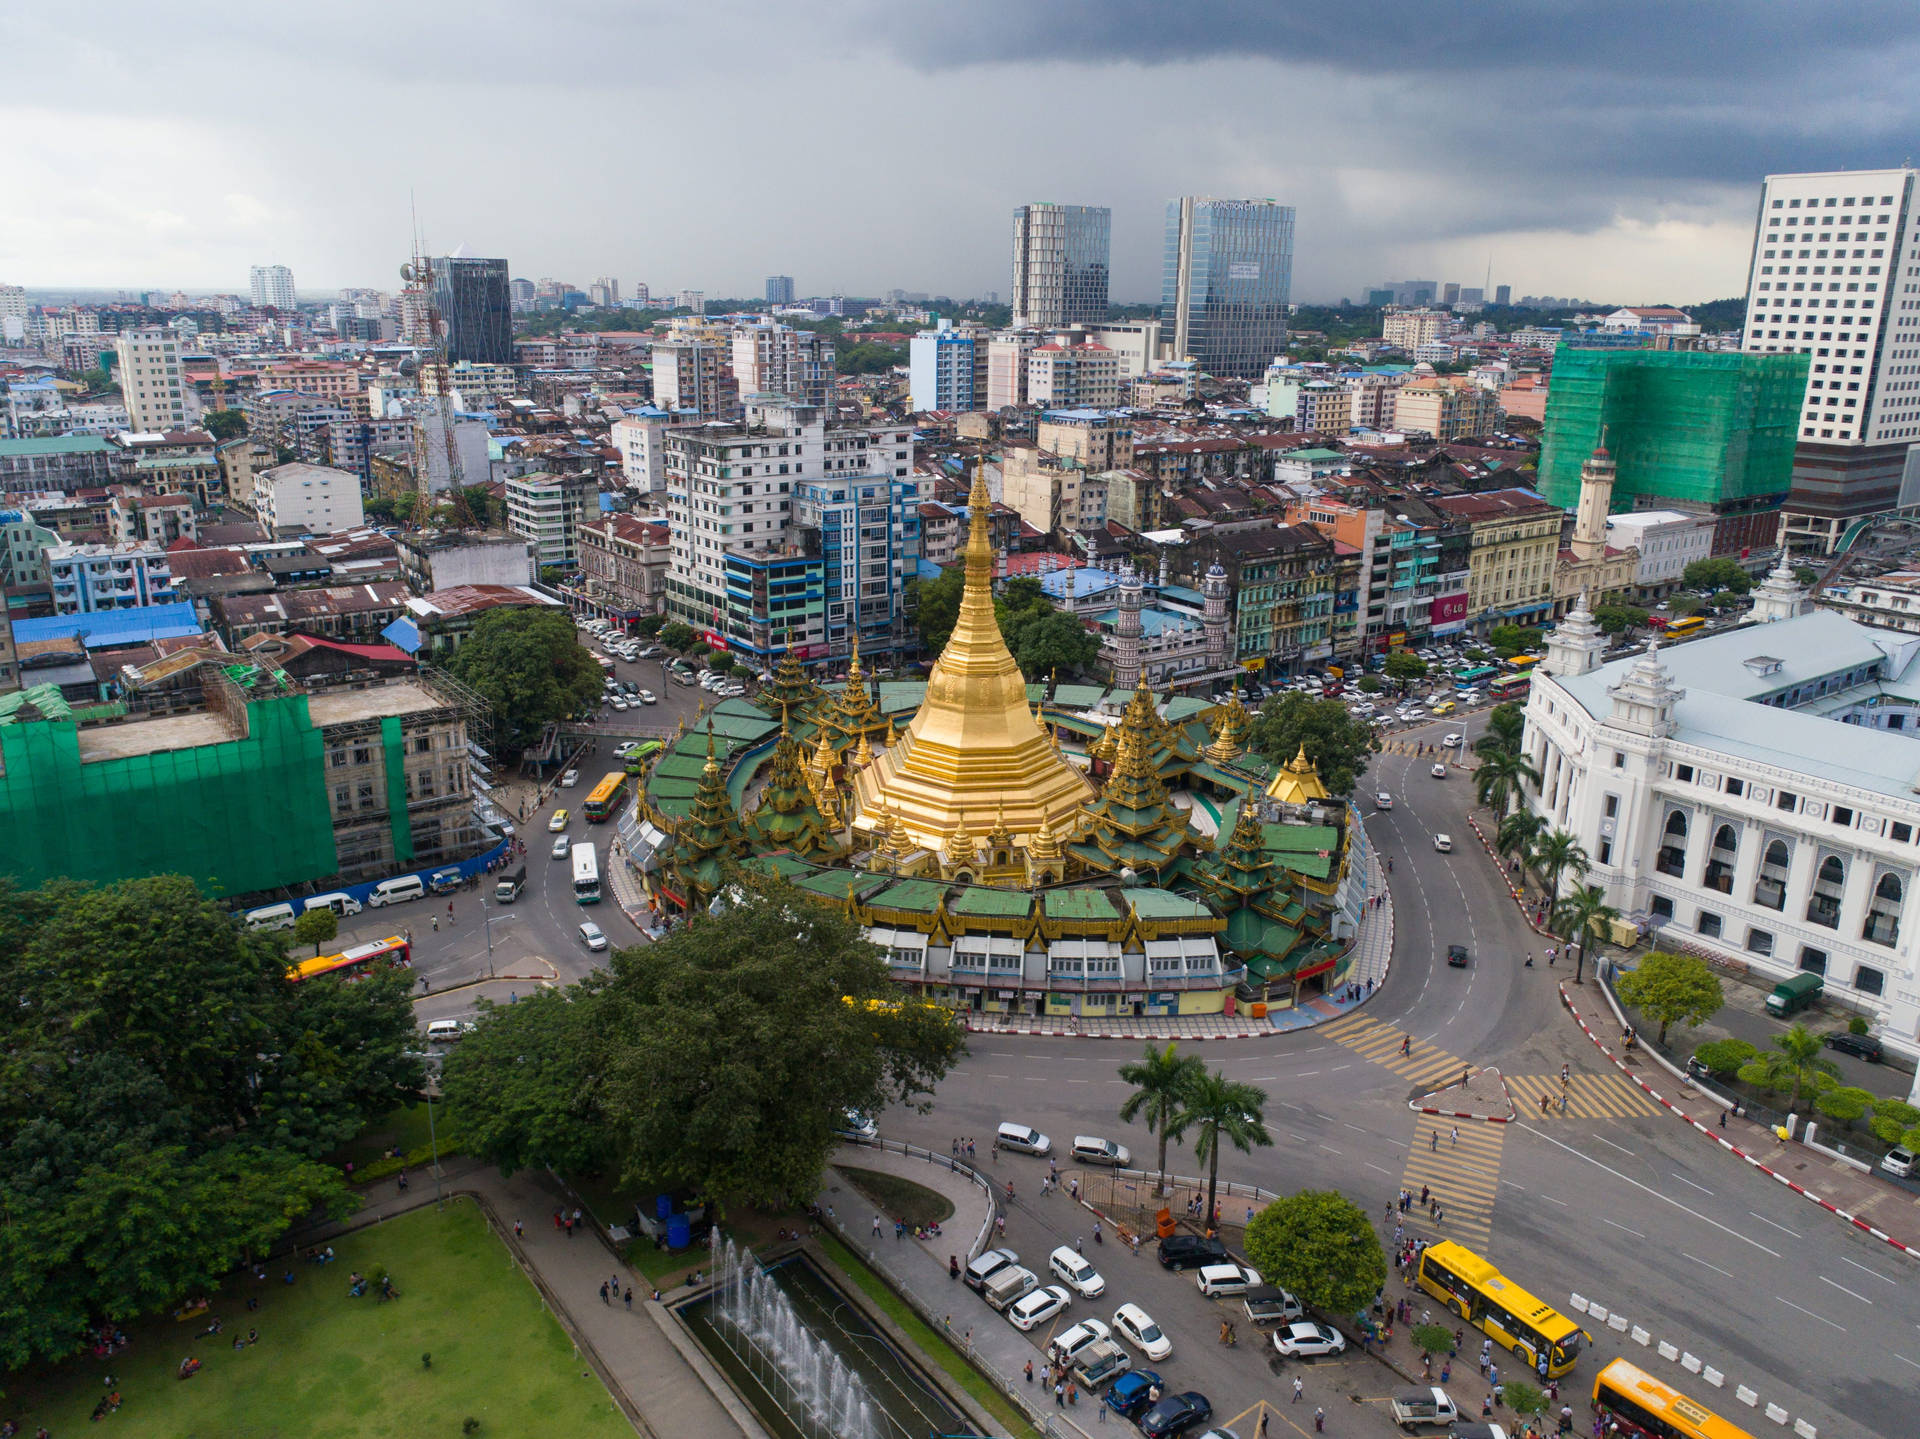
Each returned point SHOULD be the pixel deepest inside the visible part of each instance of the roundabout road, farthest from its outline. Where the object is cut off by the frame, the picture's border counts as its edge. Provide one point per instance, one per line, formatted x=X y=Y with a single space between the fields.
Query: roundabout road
x=1614 y=1200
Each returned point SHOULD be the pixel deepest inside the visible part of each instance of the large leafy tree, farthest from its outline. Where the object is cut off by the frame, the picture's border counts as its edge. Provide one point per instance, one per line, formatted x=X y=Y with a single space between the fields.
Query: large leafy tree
x=529 y=665
x=936 y=605
x=1161 y=1081
x=524 y=1085
x=1668 y=987
x=165 y=1093
x=1403 y=667
x=1510 y=640
x=1618 y=619
x=224 y=424
x=1047 y=640
x=1319 y=1245
x=1221 y=1111
x=1501 y=778
x=1794 y=1064
x=1337 y=743
x=1716 y=574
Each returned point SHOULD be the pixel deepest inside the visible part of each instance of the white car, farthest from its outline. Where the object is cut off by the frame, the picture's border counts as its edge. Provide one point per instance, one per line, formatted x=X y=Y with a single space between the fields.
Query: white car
x=647 y=697
x=592 y=937
x=617 y=702
x=856 y=1124
x=1452 y=741
x=1383 y=800
x=1070 y=1342
x=570 y=779
x=1073 y=1270
x=1218 y=1279
x=1136 y=1326
x=625 y=748
x=563 y=846
x=1443 y=843
x=1439 y=771
x=1306 y=1338
x=1036 y=1308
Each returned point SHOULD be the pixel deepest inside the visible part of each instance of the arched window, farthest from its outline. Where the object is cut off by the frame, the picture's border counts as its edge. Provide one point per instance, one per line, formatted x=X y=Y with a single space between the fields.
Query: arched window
x=1676 y=826
x=1672 y=858
x=1770 y=885
x=1724 y=838
x=1882 y=924
x=1823 y=905
x=1720 y=860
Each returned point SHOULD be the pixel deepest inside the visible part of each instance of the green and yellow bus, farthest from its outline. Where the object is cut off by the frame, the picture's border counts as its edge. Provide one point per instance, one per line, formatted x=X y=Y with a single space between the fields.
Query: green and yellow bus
x=604 y=802
x=1648 y=1409
x=1506 y=1313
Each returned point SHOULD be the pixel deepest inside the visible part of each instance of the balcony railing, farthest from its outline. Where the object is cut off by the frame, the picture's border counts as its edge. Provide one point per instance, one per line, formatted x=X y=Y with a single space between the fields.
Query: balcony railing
x=1823 y=910
x=1882 y=929
x=1770 y=893
x=1671 y=861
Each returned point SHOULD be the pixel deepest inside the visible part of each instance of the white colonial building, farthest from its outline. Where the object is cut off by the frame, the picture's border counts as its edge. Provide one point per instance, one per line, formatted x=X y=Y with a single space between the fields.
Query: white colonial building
x=1717 y=796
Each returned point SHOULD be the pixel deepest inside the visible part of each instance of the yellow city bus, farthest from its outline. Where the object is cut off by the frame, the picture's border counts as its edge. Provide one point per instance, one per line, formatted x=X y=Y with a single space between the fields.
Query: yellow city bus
x=1524 y=662
x=1510 y=1316
x=605 y=798
x=1648 y=1409
x=1691 y=625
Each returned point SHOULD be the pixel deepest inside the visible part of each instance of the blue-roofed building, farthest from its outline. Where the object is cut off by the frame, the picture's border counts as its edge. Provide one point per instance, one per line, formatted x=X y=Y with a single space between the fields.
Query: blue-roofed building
x=115 y=629
x=1172 y=644
x=1082 y=589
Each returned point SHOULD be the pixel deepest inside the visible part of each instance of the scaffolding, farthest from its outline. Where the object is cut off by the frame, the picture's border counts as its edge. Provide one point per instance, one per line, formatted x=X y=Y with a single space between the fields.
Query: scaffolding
x=1695 y=427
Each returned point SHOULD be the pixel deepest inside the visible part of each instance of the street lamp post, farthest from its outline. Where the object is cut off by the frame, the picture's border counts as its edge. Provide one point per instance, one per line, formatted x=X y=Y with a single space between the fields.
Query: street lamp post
x=486 y=918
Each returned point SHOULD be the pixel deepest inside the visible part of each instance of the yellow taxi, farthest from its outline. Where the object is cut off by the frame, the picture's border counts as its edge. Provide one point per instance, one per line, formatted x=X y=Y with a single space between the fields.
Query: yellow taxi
x=558 y=822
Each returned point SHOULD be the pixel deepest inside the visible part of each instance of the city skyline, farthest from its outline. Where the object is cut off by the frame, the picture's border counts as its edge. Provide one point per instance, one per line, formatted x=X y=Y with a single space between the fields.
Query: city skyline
x=1633 y=178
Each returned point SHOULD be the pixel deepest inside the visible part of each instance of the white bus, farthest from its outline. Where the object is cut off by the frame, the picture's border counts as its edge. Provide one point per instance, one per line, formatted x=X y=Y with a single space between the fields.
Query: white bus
x=586 y=874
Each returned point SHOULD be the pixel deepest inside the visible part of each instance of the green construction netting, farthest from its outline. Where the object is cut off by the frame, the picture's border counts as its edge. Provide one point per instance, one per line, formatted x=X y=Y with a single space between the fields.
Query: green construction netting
x=1691 y=425
x=395 y=747
x=237 y=816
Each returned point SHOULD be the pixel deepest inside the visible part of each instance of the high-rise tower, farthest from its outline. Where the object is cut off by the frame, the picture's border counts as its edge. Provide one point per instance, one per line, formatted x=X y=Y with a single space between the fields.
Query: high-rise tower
x=1226 y=281
x=1060 y=262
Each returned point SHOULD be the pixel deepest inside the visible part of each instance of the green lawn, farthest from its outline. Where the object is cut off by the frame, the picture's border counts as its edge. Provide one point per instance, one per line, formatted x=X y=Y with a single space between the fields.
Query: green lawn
x=329 y=1367
x=898 y=1198
x=404 y=1127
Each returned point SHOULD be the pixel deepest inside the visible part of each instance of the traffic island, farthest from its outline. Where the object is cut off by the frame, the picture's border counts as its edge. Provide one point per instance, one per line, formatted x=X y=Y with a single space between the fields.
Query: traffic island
x=1481 y=1095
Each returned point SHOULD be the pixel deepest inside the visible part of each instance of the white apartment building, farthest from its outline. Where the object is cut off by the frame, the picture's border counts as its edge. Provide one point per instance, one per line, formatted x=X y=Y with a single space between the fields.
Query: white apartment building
x=1085 y=376
x=1371 y=398
x=89 y=578
x=1717 y=800
x=640 y=437
x=151 y=381
x=1668 y=541
x=549 y=510
x=1409 y=328
x=1135 y=343
x=302 y=499
x=730 y=490
x=696 y=376
x=271 y=287
x=1835 y=275
x=774 y=359
x=1007 y=354
x=1891 y=602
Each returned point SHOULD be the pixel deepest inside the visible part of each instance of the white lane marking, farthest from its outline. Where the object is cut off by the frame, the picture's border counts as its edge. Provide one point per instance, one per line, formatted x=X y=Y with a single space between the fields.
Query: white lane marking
x=1623 y=1228
x=1884 y=1279
x=1684 y=1180
x=1338 y=1067
x=1781 y=1227
x=1698 y=1260
x=1611 y=1145
x=1551 y=1200
x=1844 y=1290
x=1358 y=1129
x=1306 y=1074
x=1371 y=1165
x=1904 y=1360
x=1648 y=1189
x=1811 y=1315
x=1294 y=1107
x=1329 y=1148
x=1511 y=1185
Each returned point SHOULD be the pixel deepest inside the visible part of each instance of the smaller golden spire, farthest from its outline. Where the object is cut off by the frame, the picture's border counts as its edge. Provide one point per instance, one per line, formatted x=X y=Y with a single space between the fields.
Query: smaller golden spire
x=713 y=765
x=893 y=733
x=960 y=846
x=853 y=667
x=1045 y=844
x=862 y=752
x=999 y=837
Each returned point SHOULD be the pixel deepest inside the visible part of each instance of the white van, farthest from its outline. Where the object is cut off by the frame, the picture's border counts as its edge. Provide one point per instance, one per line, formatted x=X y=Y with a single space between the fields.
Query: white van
x=340 y=902
x=271 y=916
x=397 y=891
x=1024 y=1139
x=446 y=1031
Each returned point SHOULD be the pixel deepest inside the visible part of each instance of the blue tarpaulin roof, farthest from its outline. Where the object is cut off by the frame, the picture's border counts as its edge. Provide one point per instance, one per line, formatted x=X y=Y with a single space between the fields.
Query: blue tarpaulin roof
x=403 y=634
x=111 y=629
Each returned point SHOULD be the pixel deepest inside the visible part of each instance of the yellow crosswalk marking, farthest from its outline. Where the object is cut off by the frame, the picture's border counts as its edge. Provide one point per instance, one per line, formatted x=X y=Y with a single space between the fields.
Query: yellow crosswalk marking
x=1458 y=1162
x=1381 y=1043
x=1590 y=1096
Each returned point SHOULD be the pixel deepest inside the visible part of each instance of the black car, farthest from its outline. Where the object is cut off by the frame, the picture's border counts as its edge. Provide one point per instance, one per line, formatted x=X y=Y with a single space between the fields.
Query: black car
x=1176 y=1414
x=1457 y=956
x=1866 y=1046
x=1190 y=1251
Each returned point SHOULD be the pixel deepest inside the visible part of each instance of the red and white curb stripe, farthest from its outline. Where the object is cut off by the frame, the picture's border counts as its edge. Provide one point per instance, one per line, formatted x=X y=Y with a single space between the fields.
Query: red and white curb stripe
x=1912 y=1251
x=1518 y=898
x=1418 y=1108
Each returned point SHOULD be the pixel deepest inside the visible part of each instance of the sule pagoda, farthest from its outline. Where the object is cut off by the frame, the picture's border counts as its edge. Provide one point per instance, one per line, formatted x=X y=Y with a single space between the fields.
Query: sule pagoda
x=1093 y=854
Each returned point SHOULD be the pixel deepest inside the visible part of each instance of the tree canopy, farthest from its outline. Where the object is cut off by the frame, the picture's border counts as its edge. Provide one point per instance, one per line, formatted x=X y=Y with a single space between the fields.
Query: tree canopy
x=1510 y=640
x=224 y=424
x=1618 y=619
x=529 y=665
x=868 y=358
x=1337 y=742
x=1319 y=1245
x=936 y=605
x=719 y=1060
x=1044 y=640
x=1405 y=666
x=1669 y=987
x=165 y=1095
x=1716 y=574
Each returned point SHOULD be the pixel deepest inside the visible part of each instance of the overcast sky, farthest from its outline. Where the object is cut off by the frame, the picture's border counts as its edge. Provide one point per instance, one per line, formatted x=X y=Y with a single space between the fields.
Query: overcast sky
x=1607 y=150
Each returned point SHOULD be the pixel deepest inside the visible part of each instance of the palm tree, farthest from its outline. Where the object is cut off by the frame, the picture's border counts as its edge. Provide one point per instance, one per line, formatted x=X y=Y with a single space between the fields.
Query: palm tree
x=1504 y=727
x=1161 y=1082
x=1222 y=1110
x=1572 y=919
x=1798 y=1064
x=1501 y=778
x=1557 y=854
x=1517 y=834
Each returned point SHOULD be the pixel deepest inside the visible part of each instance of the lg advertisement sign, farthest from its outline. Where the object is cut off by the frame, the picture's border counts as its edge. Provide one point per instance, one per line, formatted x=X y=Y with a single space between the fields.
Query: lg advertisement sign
x=1448 y=614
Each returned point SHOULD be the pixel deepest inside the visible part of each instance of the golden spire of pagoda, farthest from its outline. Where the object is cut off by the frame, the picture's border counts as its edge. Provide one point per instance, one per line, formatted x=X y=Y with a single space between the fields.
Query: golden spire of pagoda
x=862 y=752
x=959 y=847
x=1297 y=782
x=974 y=743
x=853 y=665
x=893 y=733
x=1045 y=844
x=999 y=837
x=1231 y=729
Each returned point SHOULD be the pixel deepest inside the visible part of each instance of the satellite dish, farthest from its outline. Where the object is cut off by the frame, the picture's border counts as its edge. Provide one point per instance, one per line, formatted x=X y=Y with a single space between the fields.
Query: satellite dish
x=406 y=272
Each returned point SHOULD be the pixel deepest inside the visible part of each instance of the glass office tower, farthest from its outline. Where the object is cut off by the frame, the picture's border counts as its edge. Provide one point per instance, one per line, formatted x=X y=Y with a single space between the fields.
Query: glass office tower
x=476 y=307
x=1060 y=264
x=1224 y=290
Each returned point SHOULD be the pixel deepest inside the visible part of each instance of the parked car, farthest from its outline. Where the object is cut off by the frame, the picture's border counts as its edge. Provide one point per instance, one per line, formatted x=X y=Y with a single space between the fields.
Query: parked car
x=1073 y=1270
x=626 y=747
x=617 y=702
x=1863 y=1046
x=987 y=1265
x=1068 y=1344
x=647 y=697
x=1900 y=1162
x=1136 y=1326
x=1037 y=1308
x=1128 y=1395
x=1190 y=1251
x=1304 y=1338
x=857 y=1124
x=1175 y=1414
x=1023 y=1138
x=1218 y=1279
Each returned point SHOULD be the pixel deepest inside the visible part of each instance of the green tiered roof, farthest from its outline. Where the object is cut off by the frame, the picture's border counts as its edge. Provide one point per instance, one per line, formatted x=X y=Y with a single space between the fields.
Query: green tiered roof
x=707 y=839
x=1266 y=924
x=788 y=694
x=787 y=817
x=1133 y=824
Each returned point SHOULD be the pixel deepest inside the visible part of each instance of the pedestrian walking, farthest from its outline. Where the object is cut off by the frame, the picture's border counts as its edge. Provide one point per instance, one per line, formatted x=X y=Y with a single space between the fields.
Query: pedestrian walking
x=1455 y=1136
x=899 y=1230
x=1059 y=1394
x=1299 y=1389
x=1544 y=1101
x=1723 y=1119
x=603 y=1292
x=1319 y=1421
x=876 y=1226
x=1563 y=1101
x=1406 y=1044
x=1261 y=1432
x=1435 y=1145
x=627 y=1299
x=1029 y=1371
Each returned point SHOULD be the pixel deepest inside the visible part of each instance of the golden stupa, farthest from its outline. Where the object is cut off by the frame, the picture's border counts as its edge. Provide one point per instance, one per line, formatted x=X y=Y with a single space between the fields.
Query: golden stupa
x=973 y=747
x=1297 y=782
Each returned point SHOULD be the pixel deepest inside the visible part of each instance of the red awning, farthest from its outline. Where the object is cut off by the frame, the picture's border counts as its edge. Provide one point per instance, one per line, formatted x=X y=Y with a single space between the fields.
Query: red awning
x=1321 y=968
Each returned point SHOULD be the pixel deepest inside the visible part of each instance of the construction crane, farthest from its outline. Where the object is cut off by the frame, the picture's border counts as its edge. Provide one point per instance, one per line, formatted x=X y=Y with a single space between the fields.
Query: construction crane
x=435 y=375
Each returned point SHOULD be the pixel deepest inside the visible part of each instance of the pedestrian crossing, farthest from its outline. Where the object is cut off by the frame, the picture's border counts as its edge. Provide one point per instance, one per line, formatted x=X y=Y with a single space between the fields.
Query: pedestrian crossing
x=1424 y=1063
x=1588 y=1096
x=1458 y=1161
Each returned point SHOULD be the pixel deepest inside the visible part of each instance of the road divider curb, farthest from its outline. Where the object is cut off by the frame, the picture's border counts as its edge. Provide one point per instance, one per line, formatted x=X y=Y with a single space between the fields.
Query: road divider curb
x=1419 y=1106
x=1911 y=1251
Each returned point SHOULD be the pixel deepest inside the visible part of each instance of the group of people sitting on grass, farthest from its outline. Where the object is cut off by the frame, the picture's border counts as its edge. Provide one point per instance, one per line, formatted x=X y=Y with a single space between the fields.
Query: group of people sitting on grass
x=357 y=1286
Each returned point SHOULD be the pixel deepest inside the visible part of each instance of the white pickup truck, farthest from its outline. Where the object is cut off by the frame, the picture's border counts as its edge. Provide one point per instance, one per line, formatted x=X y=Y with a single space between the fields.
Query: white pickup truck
x=1424 y=1408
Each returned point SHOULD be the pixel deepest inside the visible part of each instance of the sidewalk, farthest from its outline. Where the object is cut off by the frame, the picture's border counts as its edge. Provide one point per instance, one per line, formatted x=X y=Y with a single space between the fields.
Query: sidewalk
x=648 y=1374
x=1372 y=956
x=1882 y=1210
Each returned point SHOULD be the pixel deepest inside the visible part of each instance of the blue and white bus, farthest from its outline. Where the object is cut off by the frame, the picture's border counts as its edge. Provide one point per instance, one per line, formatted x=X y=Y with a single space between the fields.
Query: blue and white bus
x=586 y=874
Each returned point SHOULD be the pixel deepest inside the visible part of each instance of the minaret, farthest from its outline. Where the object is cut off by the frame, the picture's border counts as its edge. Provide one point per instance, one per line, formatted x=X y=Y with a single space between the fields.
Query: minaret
x=1596 y=498
x=1214 y=616
x=1576 y=644
x=1778 y=597
x=1643 y=701
x=1126 y=631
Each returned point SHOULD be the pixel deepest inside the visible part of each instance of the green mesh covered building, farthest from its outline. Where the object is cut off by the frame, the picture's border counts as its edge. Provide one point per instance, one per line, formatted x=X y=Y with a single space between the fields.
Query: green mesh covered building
x=1687 y=428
